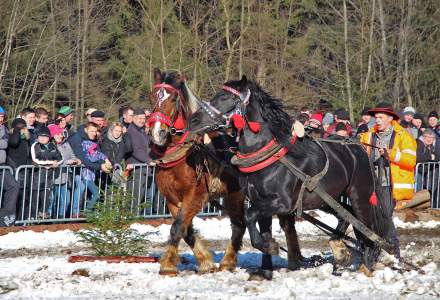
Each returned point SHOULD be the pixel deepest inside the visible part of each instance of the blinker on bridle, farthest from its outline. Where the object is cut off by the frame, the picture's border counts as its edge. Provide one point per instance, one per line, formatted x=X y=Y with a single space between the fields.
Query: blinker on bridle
x=220 y=117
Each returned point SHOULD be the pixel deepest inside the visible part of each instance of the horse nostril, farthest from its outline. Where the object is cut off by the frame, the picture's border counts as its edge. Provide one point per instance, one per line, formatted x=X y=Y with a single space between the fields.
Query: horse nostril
x=162 y=133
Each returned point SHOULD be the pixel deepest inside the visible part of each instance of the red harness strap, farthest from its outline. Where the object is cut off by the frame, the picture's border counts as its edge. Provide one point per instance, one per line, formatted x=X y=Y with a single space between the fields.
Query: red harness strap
x=171 y=150
x=267 y=162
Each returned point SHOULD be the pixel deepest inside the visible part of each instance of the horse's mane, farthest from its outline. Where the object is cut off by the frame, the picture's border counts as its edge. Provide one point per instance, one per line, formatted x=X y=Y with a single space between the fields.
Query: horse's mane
x=272 y=112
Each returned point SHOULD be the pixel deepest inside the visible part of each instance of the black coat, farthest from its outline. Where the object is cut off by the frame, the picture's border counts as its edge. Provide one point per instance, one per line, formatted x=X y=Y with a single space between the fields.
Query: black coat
x=113 y=150
x=18 y=152
x=137 y=145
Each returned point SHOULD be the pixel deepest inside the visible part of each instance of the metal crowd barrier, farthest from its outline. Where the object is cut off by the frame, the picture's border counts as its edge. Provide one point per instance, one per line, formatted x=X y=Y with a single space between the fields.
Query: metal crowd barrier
x=66 y=193
x=427 y=177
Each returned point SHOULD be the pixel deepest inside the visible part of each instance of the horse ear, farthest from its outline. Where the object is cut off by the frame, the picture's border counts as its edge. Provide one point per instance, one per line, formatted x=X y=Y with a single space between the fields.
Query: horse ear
x=157 y=75
x=243 y=80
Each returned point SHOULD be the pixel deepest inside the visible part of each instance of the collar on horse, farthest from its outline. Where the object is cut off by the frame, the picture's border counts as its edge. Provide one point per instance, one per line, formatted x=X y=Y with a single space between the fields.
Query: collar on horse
x=177 y=121
x=174 y=155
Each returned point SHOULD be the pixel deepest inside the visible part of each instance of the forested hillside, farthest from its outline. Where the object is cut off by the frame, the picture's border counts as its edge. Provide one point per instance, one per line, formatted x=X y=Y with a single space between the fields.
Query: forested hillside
x=102 y=52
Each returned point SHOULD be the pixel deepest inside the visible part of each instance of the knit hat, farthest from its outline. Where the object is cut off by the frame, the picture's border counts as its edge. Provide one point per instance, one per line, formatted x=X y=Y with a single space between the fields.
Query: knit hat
x=139 y=112
x=43 y=131
x=65 y=110
x=55 y=129
x=316 y=118
x=365 y=111
x=2 y=111
x=97 y=114
x=342 y=114
x=433 y=114
x=409 y=110
x=18 y=123
x=386 y=108
x=418 y=116
x=90 y=111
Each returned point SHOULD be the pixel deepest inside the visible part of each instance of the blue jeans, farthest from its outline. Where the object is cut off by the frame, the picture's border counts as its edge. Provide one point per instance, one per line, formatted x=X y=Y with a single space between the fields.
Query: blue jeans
x=60 y=195
x=80 y=187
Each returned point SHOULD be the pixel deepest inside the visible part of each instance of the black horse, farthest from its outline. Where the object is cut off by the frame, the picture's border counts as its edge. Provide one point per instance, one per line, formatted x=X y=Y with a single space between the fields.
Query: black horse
x=274 y=190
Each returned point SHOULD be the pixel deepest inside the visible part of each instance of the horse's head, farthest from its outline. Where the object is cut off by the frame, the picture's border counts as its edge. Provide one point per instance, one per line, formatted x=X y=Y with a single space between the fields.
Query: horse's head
x=172 y=104
x=233 y=98
x=244 y=105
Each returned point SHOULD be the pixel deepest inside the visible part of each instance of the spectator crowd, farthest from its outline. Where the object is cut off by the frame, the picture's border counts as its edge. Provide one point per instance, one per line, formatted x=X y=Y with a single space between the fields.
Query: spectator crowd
x=423 y=130
x=66 y=184
x=64 y=181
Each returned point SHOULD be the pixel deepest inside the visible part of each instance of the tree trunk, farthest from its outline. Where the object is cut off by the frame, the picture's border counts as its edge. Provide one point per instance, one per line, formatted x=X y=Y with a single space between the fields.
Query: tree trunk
x=78 y=60
x=8 y=46
x=162 y=42
x=370 y=46
x=383 y=45
x=347 y=70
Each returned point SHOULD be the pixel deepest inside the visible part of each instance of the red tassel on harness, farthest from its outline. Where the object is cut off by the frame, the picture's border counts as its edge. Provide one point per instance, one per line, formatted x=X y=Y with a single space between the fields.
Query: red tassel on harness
x=179 y=124
x=254 y=127
x=373 y=199
x=238 y=121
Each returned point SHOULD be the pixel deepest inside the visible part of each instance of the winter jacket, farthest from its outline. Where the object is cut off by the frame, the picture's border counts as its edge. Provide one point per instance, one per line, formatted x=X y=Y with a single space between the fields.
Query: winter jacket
x=92 y=153
x=75 y=142
x=67 y=154
x=137 y=144
x=18 y=152
x=3 y=143
x=45 y=155
x=113 y=148
x=402 y=160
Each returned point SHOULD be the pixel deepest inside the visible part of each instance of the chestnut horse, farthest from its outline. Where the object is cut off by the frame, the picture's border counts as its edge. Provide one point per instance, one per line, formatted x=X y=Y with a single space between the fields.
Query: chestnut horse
x=189 y=177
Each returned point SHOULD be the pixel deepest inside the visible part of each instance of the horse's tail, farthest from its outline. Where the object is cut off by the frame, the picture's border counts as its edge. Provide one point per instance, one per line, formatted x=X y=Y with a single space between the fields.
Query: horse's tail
x=382 y=210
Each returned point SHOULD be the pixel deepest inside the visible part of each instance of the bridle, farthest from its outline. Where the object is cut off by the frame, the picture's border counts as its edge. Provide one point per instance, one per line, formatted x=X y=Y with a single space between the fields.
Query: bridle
x=177 y=120
x=222 y=120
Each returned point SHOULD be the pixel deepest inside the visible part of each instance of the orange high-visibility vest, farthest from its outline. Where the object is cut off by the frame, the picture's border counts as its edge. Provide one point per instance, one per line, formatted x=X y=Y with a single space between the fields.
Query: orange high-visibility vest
x=402 y=160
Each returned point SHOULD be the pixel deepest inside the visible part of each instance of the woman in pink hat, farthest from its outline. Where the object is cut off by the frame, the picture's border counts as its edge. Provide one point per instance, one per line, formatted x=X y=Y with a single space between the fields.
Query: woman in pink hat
x=60 y=199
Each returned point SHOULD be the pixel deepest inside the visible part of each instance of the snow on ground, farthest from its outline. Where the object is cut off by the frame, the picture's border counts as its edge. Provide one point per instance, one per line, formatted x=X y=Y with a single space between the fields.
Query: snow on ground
x=50 y=277
x=212 y=229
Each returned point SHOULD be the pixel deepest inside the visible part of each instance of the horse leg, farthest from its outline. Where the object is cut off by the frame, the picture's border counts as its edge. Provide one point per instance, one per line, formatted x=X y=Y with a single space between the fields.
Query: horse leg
x=294 y=257
x=264 y=243
x=170 y=259
x=266 y=270
x=190 y=208
x=234 y=206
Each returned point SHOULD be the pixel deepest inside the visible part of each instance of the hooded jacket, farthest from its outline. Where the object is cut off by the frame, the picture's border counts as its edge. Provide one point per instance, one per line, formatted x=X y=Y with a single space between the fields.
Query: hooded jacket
x=75 y=142
x=402 y=159
x=18 y=152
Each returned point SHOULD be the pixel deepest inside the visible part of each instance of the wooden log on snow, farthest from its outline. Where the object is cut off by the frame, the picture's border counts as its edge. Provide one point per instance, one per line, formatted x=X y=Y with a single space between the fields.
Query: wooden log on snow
x=419 y=198
x=113 y=259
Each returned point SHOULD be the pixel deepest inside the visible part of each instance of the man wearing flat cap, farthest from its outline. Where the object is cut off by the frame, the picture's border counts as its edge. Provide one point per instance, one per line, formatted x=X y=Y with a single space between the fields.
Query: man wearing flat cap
x=393 y=153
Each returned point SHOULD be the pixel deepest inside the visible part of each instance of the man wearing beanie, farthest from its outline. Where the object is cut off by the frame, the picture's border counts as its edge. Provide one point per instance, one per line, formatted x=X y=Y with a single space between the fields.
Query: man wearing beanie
x=10 y=186
x=433 y=124
x=393 y=153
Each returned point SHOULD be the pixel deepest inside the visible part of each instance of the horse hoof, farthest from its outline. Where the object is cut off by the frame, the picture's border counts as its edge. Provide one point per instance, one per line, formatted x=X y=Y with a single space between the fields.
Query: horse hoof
x=260 y=275
x=364 y=270
x=207 y=267
x=228 y=266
